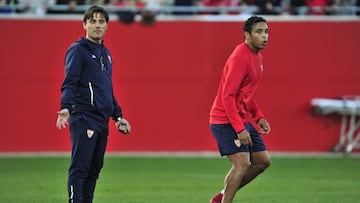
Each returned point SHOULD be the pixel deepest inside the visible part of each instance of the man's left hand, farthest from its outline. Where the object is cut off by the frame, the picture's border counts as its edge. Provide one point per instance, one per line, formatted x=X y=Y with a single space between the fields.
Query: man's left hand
x=264 y=126
x=123 y=126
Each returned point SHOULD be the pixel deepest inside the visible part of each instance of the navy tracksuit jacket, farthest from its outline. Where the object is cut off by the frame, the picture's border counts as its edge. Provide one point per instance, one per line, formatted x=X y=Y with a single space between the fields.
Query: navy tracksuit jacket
x=87 y=87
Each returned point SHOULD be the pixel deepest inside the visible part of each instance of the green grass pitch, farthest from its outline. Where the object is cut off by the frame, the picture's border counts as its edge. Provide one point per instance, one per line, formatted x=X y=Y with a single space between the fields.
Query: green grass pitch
x=183 y=180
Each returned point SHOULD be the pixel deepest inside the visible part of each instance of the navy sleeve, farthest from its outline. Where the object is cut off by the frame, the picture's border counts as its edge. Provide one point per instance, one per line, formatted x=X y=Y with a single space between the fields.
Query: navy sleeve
x=117 y=110
x=69 y=88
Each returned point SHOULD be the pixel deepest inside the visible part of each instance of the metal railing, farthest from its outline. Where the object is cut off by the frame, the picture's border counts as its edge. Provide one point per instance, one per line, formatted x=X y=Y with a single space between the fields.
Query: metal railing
x=190 y=10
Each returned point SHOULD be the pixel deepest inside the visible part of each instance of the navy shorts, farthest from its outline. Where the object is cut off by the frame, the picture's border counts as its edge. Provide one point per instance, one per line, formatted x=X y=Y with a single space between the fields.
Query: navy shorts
x=225 y=136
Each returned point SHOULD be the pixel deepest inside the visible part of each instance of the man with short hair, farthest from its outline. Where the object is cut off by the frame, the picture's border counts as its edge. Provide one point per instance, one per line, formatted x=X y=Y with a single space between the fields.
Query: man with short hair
x=87 y=103
x=234 y=108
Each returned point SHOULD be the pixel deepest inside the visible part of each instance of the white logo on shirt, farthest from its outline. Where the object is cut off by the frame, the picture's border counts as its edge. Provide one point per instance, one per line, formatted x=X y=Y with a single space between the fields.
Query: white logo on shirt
x=93 y=56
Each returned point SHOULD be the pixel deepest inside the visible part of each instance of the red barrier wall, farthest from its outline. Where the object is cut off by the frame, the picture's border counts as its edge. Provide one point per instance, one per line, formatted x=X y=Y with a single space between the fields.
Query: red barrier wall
x=166 y=76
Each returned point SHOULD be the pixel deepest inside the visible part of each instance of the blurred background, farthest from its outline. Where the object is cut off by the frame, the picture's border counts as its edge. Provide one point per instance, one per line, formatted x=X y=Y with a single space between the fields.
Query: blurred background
x=167 y=59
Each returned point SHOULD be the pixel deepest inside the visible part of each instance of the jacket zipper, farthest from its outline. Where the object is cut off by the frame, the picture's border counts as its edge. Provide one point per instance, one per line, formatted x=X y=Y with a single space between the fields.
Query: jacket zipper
x=91 y=94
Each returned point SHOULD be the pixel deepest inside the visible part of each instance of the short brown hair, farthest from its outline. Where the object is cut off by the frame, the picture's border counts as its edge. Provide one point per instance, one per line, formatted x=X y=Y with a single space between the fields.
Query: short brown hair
x=95 y=9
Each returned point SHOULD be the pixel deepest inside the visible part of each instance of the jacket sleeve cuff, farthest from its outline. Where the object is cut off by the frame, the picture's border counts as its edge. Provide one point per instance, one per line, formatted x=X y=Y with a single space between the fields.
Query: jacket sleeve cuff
x=117 y=118
x=256 y=119
x=238 y=128
x=67 y=107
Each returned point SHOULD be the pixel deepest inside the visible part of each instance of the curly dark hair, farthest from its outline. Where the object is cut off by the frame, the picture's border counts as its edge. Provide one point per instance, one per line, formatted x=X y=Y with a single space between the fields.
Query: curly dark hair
x=250 y=22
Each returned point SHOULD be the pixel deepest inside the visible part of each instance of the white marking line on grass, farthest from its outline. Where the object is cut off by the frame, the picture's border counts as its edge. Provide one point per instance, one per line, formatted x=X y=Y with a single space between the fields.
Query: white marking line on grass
x=210 y=154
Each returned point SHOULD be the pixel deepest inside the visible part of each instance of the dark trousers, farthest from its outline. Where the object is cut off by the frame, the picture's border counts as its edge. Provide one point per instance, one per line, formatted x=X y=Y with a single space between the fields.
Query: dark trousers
x=88 y=141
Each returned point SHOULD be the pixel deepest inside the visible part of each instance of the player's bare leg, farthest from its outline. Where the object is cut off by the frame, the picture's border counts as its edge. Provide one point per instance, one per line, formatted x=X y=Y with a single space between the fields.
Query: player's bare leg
x=240 y=164
x=259 y=162
x=243 y=172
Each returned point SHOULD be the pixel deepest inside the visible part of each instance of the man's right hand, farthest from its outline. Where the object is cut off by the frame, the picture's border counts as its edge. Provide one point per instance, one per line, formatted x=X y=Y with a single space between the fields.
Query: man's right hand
x=63 y=118
x=244 y=138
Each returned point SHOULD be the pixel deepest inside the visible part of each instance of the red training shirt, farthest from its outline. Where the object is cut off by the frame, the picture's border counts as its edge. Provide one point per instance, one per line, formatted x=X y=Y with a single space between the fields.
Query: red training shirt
x=234 y=102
